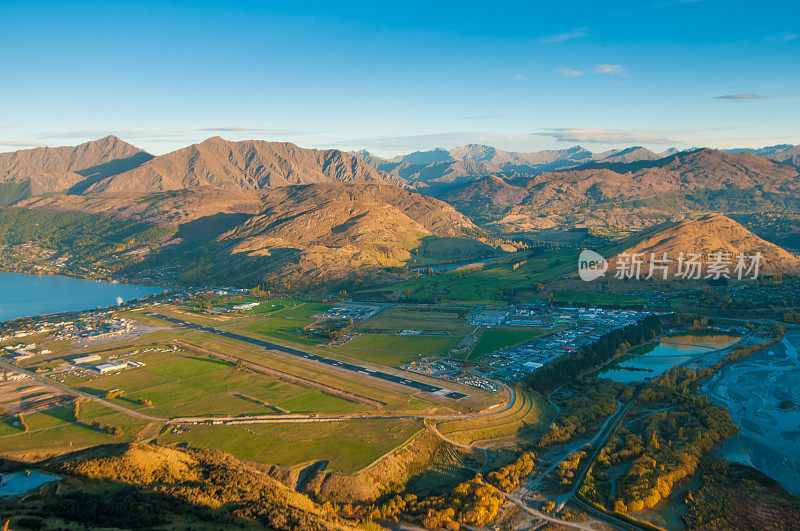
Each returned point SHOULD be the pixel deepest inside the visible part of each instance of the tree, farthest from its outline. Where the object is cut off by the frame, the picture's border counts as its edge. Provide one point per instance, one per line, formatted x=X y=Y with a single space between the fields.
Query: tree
x=76 y=410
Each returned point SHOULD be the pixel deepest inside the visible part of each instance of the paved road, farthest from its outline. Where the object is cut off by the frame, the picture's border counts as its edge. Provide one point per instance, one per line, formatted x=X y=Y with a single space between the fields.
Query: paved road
x=519 y=502
x=394 y=378
x=598 y=442
x=600 y=439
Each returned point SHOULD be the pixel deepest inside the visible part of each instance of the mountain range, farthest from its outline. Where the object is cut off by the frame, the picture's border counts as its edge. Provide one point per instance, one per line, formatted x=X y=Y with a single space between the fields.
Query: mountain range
x=632 y=195
x=439 y=169
x=293 y=236
x=785 y=153
x=256 y=210
x=112 y=165
x=46 y=170
x=245 y=165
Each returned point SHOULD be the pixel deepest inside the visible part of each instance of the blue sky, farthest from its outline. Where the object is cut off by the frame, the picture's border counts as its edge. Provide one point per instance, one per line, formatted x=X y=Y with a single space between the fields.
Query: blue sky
x=412 y=75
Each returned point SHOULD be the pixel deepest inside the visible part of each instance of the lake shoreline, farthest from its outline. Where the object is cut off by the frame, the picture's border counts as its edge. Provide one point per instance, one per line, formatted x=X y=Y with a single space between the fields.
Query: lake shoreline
x=24 y=295
x=111 y=279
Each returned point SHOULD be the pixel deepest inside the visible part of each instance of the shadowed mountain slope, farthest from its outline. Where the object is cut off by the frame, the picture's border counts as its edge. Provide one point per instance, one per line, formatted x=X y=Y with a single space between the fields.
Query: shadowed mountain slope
x=245 y=165
x=301 y=234
x=46 y=169
x=638 y=194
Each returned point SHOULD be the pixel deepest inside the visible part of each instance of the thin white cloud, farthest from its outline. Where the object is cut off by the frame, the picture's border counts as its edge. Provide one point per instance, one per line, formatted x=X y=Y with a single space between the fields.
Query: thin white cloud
x=519 y=78
x=569 y=72
x=483 y=117
x=259 y=130
x=234 y=128
x=602 y=135
x=186 y=136
x=741 y=97
x=21 y=143
x=614 y=70
x=673 y=3
x=98 y=132
x=786 y=36
x=575 y=33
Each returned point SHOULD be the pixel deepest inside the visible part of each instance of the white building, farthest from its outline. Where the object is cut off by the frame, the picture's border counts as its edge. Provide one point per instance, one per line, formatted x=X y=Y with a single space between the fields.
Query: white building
x=247 y=306
x=86 y=359
x=104 y=368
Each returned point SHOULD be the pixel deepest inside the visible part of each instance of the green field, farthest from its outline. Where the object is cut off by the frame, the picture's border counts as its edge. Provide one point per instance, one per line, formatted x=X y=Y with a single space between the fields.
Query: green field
x=497 y=338
x=489 y=284
x=55 y=428
x=187 y=384
x=410 y=318
x=394 y=350
x=347 y=446
x=289 y=330
x=434 y=250
x=571 y=298
x=396 y=401
x=285 y=320
x=289 y=308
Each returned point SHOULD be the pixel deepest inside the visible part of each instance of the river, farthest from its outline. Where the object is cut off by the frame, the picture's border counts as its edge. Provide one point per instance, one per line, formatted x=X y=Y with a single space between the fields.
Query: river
x=24 y=295
x=762 y=394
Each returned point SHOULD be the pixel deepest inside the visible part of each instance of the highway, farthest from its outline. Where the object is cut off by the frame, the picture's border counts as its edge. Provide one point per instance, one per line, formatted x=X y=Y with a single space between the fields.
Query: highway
x=414 y=384
x=598 y=443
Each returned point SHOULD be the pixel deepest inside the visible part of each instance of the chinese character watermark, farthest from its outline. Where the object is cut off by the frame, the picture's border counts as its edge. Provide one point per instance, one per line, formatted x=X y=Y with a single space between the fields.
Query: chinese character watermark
x=660 y=266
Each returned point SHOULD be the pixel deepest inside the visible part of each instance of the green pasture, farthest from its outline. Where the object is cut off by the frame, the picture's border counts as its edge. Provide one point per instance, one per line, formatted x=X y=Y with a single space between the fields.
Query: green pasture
x=55 y=428
x=409 y=318
x=188 y=384
x=357 y=443
x=394 y=350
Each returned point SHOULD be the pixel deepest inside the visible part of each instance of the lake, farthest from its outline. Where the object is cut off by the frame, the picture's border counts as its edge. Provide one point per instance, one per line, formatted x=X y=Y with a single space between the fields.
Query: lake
x=19 y=483
x=762 y=394
x=24 y=295
x=651 y=360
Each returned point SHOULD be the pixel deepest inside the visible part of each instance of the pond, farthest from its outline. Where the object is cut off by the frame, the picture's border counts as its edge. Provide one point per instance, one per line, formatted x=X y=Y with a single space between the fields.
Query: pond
x=18 y=483
x=655 y=358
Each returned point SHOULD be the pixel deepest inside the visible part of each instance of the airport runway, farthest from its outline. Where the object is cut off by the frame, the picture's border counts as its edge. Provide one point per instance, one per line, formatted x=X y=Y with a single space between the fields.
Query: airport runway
x=427 y=388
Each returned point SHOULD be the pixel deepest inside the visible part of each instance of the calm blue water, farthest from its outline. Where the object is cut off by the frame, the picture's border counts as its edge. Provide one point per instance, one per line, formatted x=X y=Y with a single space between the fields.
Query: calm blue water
x=18 y=483
x=27 y=295
x=665 y=354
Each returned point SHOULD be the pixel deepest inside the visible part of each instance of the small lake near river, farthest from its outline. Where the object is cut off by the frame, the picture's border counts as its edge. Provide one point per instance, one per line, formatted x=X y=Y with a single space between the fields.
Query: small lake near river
x=762 y=394
x=653 y=359
x=18 y=483
x=24 y=295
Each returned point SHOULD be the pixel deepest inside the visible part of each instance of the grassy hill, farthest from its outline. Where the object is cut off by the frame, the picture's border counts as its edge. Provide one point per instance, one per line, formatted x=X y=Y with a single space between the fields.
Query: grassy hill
x=138 y=485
